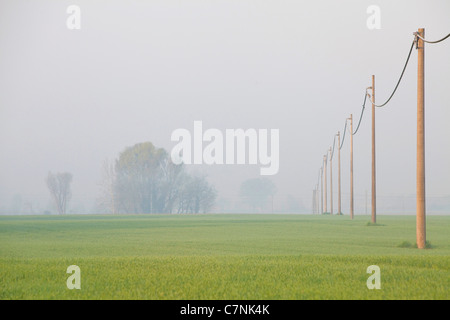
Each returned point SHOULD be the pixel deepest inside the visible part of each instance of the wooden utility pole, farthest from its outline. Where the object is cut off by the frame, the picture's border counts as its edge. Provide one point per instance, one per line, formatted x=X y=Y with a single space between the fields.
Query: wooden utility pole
x=374 y=198
x=317 y=192
x=314 y=201
x=420 y=216
x=321 y=189
x=317 y=198
x=325 y=160
x=351 y=166
x=331 y=183
x=318 y=205
x=339 y=172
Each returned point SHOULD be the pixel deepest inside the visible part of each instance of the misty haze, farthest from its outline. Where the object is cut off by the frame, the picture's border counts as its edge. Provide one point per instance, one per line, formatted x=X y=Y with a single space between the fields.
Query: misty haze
x=134 y=73
x=232 y=157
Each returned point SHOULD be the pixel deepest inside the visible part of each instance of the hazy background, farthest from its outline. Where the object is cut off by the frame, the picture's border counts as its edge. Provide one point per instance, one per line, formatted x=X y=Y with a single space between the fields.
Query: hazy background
x=137 y=70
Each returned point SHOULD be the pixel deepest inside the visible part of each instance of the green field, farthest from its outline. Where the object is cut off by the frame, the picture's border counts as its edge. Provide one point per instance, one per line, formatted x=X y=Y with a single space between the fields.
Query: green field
x=221 y=257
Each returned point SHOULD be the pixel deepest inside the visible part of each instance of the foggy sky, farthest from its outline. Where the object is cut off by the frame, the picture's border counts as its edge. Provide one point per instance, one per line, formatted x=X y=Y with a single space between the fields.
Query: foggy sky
x=138 y=70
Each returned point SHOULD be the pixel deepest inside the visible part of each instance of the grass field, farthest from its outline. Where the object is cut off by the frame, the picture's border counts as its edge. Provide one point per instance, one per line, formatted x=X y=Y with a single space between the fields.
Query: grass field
x=221 y=257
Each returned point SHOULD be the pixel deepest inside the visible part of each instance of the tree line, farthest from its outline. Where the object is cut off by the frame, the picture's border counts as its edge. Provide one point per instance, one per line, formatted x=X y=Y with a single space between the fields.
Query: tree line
x=143 y=179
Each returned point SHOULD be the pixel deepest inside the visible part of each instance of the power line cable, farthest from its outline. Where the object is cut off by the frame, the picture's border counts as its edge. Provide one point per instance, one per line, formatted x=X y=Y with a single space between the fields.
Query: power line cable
x=362 y=112
x=407 y=60
x=401 y=76
x=416 y=34
x=428 y=41
x=343 y=136
x=332 y=152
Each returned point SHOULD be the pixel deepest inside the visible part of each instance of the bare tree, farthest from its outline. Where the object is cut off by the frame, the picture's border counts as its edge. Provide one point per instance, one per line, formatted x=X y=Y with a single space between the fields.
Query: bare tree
x=59 y=186
x=170 y=183
x=108 y=200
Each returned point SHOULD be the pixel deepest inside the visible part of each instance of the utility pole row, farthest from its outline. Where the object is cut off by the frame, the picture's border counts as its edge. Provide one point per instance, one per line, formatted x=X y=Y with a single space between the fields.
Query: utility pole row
x=420 y=173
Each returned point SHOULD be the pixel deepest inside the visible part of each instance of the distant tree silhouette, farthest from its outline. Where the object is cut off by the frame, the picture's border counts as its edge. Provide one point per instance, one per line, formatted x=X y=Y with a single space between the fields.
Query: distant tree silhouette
x=59 y=186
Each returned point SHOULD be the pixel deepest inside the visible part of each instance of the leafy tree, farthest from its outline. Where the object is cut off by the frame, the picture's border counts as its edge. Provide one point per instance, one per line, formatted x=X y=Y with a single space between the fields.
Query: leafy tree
x=197 y=195
x=145 y=180
x=138 y=170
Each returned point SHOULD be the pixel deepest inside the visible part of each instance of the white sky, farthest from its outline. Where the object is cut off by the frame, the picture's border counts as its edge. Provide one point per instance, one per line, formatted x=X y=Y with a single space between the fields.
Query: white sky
x=137 y=70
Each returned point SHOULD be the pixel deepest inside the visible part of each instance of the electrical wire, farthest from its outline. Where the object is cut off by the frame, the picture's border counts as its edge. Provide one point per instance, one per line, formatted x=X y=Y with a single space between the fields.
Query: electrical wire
x=428 y=41
x=343 y=136
x=362 y=112
x=332 y=152
x=401 y=76
x=406 y=63
x=387 y=101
